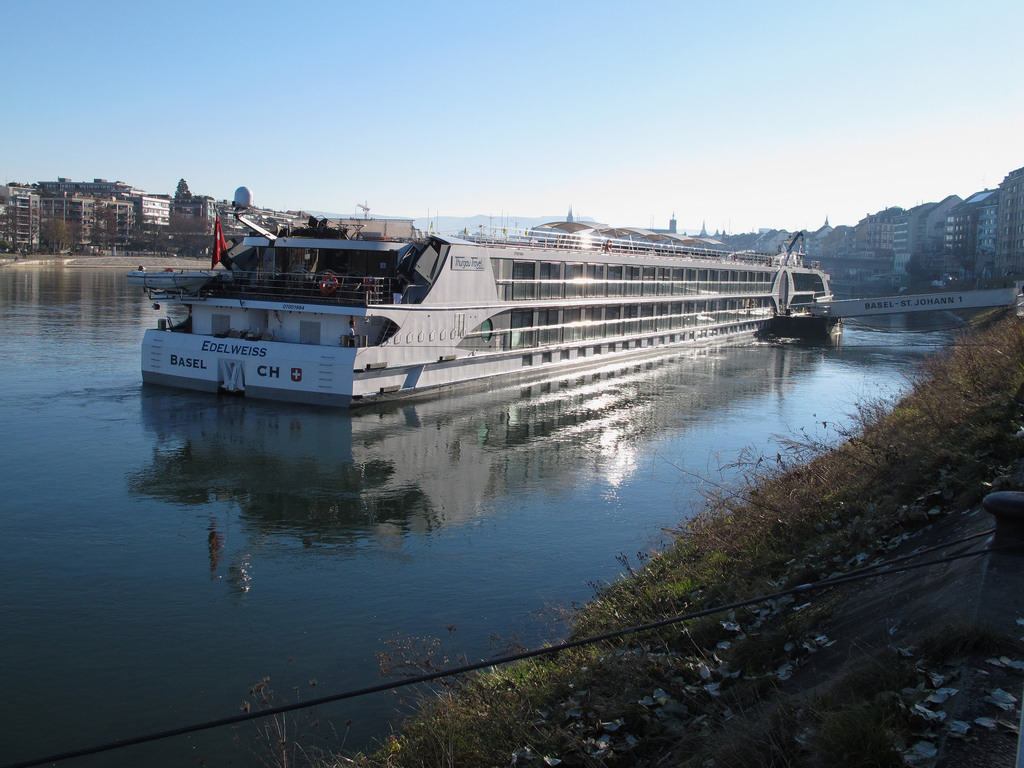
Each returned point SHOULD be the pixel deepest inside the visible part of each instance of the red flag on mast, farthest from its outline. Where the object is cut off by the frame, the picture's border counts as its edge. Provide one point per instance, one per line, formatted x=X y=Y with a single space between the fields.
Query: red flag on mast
x=219 y=243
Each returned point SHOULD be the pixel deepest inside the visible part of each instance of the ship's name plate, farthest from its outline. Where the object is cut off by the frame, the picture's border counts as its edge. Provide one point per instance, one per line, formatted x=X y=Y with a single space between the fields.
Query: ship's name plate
x=468 y=263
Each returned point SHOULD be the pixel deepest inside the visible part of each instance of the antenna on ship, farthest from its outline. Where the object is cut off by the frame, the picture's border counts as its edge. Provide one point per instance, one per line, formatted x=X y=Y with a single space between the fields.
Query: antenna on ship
x=243 y=202
x=243 y=198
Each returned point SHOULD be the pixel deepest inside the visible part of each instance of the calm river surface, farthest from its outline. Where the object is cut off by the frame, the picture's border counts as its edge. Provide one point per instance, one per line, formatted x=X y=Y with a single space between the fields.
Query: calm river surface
x=161 y=552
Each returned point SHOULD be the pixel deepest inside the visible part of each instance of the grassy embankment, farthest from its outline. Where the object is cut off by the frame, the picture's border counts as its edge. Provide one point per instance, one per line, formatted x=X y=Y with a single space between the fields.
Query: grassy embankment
x=715 y=688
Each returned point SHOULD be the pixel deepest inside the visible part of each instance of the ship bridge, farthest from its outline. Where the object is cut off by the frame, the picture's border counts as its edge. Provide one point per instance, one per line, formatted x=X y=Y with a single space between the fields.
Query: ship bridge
x=923 y=302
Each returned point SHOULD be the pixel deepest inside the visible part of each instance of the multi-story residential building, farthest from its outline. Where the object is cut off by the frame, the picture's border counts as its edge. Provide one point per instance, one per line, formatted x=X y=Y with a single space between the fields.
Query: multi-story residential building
x=151 y=209
x=196 y=207
x=908 y=232
x=860 y=259
x=970 y=241
x=920 y=232
x=19 y=217
x=875 y=231
x=122 y=214
x=106 y=196
x=1009 y=258
x=77 y=211
x=94 y=188
x=988 y=229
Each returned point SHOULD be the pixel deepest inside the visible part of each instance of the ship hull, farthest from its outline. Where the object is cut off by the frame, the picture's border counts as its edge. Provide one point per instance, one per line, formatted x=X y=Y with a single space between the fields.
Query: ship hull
x=333 y=377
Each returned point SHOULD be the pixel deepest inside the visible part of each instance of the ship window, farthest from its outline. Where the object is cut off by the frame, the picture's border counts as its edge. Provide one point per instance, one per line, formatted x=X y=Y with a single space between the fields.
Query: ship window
x=573 y=280
x=523 y=275
x=503 y=275
x=573 y=327
x=426 y=264
x=594 y=316
x=486 y=329
x=807 y=282
x=550 y=330
x=664 y=281
x=650 y=287
x=522 y=333
x=551 y=276
x=677 y=281
x=647 y=314
x=614 y=280
x=611 y=322
x=220 y=324
x=631 y=314
x=634 y=275
x=676 y=315
x=309 y=332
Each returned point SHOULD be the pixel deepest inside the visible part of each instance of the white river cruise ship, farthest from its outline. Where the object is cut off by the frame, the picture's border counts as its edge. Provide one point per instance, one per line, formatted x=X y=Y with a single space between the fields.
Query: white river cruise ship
x=311 y=316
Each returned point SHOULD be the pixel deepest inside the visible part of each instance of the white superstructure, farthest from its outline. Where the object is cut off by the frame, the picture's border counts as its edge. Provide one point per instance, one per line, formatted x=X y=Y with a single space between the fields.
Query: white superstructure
x=320 y=319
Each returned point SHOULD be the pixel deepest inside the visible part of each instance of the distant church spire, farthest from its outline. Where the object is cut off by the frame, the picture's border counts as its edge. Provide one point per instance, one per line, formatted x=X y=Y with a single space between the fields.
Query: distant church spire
x=703 y=229
x=570 y=214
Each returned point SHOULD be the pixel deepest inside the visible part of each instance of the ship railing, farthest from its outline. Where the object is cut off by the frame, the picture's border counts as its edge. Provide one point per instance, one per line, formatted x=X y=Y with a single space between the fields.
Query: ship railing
x=597 y=243
x=314 y=288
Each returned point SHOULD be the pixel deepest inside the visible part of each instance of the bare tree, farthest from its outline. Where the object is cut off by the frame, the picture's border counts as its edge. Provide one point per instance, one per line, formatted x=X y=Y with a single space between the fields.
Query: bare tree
x=56 y=234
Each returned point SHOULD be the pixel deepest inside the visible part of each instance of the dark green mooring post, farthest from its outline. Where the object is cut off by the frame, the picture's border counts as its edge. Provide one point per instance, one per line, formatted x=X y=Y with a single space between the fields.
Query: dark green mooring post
x=1007 y=507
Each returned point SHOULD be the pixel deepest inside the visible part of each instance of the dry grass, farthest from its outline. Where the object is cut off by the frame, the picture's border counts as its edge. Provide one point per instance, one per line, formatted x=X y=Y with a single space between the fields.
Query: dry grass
x=711 y=689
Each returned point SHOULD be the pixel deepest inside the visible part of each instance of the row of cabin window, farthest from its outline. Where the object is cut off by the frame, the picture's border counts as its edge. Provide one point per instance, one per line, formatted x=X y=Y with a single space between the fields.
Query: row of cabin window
x=520 y=280
x=309 y=330
x=539 y=327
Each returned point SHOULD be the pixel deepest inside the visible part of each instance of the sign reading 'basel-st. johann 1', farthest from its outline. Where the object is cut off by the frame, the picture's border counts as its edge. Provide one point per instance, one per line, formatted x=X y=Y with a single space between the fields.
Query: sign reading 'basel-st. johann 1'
x=926 y=302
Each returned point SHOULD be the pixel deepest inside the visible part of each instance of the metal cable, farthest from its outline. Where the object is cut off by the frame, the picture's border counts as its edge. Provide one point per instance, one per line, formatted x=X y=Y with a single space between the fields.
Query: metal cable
x=873 y=571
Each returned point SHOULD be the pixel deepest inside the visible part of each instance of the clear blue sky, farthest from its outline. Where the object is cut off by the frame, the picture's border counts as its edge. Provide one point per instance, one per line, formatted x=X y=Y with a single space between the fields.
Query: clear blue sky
x=737 y=113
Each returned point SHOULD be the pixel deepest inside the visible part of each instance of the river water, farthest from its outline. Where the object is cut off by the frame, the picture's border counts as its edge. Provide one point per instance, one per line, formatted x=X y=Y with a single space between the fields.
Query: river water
x=161 y=552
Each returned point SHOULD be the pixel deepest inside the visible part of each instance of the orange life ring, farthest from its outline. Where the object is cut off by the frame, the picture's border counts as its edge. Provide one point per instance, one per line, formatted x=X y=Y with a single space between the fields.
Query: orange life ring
x=328 y=285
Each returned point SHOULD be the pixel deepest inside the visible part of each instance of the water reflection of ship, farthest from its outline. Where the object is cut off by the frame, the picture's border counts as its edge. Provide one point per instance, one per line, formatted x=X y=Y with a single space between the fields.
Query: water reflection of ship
x=332 y=479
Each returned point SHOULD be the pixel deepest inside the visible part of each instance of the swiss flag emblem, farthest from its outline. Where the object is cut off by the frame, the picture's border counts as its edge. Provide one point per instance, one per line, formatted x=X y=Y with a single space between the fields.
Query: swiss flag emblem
x=296 y=374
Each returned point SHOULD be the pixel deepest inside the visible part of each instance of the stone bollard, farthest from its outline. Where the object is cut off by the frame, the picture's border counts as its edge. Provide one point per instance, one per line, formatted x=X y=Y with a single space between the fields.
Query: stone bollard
x=1007 y=507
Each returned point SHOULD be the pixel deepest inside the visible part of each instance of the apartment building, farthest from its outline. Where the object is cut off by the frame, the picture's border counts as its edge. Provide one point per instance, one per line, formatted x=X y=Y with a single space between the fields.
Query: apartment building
x=196 y=207
x=77 y=211
x=101 y=209
x=19 y=217
x=971 y=226
x=1009 y=257
x=920 y=232
x=152 y=209
x=875 y=231
x=94 y=188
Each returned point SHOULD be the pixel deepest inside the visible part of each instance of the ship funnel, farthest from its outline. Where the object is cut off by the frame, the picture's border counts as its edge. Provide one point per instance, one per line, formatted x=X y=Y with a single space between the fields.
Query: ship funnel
x=243 y=197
